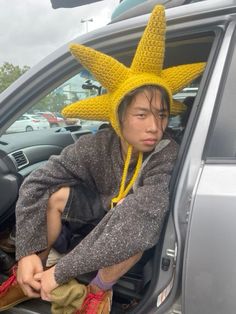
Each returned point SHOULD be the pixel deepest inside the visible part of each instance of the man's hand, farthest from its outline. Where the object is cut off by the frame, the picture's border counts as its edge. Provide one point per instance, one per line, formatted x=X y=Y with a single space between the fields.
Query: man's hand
x=28 y=266
x=48 y=283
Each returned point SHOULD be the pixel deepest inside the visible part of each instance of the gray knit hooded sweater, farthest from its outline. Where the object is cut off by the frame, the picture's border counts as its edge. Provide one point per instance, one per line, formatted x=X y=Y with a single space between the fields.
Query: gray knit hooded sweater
x=130 y=227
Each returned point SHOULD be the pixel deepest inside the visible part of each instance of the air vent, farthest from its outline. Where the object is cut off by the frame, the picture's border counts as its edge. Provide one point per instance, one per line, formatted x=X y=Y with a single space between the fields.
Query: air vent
x=20 y=159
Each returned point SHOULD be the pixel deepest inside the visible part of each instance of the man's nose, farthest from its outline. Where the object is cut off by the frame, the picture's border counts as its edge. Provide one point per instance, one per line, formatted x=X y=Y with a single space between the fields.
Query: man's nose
x=153 y=124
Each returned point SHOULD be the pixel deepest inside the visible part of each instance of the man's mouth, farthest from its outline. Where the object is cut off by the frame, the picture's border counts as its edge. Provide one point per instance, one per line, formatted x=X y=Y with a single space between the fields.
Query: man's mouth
x=150 y=141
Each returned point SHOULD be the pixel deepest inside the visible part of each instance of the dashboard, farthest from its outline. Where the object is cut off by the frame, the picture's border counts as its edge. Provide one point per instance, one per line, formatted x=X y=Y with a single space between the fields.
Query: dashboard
x=21 y=153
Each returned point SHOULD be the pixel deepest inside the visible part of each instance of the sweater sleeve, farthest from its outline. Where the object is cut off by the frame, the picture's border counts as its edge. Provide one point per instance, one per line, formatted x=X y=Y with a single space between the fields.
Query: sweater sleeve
x=58 y=171
x=129 y=228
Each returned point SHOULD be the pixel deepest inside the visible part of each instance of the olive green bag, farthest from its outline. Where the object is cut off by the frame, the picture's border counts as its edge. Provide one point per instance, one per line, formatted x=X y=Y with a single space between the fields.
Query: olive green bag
x=68 y=298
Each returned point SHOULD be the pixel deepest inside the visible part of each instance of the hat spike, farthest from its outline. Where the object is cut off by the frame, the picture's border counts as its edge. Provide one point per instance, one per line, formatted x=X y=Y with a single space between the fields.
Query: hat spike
x=180 y=76
x=149 y=55
x=93 y=59
x=95 y=108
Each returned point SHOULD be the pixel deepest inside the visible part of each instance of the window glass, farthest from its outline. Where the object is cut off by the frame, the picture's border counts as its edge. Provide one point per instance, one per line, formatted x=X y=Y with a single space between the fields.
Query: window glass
x=187 y=49
x=82 y=86
x=48 y=109
x=222 y=144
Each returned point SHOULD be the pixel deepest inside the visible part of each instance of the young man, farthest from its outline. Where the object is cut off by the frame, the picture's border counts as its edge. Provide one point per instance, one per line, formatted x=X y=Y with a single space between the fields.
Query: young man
x=128 y=166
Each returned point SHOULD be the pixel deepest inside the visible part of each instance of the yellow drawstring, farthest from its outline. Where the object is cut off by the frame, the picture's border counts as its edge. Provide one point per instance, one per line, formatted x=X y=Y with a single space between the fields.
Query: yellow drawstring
x=124 y=191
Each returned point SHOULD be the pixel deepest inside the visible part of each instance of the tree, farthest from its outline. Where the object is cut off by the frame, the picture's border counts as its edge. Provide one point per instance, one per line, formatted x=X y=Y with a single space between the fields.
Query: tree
x=52 y=102
x=9 y=73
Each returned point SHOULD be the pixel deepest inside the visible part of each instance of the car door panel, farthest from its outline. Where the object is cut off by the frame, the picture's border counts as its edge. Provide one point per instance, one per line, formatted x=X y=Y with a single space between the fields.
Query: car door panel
x=209 y=281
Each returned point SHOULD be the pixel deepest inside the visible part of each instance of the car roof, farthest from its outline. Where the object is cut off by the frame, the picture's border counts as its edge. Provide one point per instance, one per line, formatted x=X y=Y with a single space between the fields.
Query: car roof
x=131 y=8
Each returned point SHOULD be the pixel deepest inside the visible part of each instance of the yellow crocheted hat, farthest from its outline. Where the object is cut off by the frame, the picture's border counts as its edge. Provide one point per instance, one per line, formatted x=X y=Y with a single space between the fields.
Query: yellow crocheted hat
x=119 y=80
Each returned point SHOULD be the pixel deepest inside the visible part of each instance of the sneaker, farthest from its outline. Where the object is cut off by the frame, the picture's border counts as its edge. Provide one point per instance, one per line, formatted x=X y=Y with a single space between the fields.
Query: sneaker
x=11 y=293
x=96 y=303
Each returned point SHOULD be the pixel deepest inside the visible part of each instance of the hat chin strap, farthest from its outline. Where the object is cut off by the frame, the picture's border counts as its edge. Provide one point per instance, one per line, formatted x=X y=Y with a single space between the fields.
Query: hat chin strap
x=125 y=190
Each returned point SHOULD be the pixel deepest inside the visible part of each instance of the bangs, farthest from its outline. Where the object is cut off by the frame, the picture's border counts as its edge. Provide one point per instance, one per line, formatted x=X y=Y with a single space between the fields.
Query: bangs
x=151 y=89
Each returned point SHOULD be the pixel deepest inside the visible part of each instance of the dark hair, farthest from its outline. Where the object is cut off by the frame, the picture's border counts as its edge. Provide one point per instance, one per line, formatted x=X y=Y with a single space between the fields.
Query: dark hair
x=165 y=102
x=188 y=101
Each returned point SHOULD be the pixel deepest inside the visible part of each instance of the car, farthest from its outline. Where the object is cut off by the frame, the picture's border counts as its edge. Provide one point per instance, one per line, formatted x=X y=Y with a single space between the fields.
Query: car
x=131 y=8
x=191 y=270
x=93 y=125
x=53 y=119
x=68 y=121
x=27 y=123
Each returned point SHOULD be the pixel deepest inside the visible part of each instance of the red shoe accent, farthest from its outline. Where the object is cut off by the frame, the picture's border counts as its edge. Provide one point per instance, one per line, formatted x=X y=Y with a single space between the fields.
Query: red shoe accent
x=91 y=303
x=4 y=287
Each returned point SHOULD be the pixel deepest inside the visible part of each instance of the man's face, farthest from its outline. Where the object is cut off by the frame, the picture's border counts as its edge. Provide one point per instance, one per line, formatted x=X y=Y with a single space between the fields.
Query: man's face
x=144 y=121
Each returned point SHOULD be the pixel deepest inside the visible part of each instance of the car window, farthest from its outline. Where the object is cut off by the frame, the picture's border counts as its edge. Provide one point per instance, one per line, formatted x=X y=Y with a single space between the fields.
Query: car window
x=35 y=117
x=188 y=49
x=222 y=137
x=20 y=118
x=80 y=86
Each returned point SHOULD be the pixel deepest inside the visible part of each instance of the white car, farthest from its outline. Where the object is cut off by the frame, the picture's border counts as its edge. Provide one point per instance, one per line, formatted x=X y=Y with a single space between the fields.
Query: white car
x=27 y=123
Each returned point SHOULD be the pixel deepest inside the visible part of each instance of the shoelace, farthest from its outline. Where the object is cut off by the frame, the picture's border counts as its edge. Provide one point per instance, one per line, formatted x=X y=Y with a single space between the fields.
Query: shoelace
x=91 y=302
x=9 y=282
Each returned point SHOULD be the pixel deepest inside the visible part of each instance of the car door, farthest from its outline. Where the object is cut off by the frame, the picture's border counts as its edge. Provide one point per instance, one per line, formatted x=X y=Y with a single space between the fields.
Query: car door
x=209 y=280
x=18 y=126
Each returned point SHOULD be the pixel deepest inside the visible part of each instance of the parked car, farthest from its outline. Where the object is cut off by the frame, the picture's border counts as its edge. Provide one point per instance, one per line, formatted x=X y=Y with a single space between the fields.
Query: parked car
x=93 y=125
x=68 y=121
x=27 y=123
x=53 y=120
x=191 y=270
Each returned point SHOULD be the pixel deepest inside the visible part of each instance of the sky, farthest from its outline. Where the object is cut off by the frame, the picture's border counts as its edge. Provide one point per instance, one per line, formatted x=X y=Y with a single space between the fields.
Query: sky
x=31 y=29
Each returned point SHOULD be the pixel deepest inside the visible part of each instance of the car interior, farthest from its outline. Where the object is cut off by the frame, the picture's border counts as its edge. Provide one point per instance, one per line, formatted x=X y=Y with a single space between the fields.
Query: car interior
x=23 y=152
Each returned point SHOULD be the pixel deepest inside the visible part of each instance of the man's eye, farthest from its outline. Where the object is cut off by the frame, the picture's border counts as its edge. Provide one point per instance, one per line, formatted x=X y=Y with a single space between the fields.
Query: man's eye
x=162 y=115
x=140 y=115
